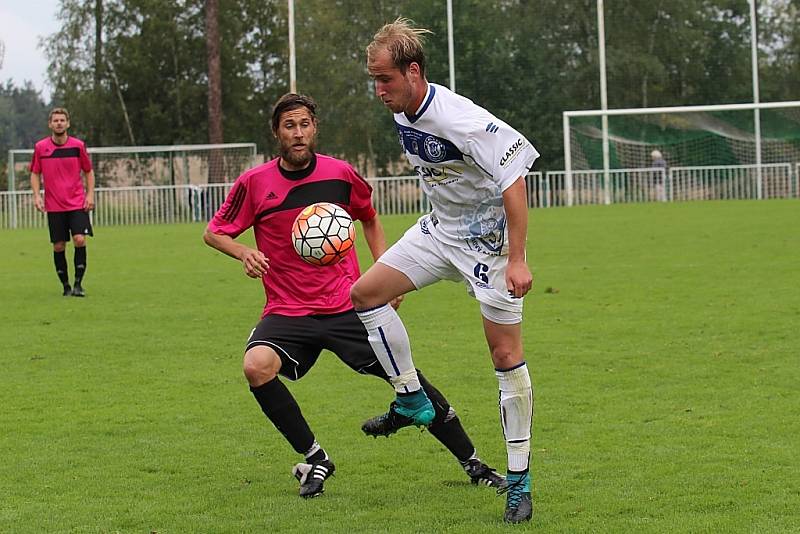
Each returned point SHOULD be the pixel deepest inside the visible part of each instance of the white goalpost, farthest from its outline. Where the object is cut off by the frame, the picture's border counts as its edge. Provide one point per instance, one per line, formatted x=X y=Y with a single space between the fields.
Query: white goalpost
x=756 y=137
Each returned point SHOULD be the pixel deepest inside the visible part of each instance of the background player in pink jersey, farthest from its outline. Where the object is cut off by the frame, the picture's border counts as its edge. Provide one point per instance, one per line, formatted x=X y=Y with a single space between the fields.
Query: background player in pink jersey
x=308 y=308
x=57 y=164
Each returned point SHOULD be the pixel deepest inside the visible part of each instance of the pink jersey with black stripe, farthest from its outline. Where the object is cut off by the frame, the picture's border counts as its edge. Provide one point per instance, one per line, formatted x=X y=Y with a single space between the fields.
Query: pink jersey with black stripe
x=60 y=167
x=268 y=199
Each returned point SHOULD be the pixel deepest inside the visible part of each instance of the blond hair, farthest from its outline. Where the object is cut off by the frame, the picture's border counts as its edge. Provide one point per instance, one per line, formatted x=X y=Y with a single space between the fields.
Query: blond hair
x=58 y=111
x=404 y=43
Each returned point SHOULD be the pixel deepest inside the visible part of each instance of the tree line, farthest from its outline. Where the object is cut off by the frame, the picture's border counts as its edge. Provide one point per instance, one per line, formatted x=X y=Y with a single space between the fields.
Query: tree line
x=143 y=71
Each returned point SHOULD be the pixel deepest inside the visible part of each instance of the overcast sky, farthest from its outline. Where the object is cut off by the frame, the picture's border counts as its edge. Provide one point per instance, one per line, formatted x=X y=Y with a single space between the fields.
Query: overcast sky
x=22 y=22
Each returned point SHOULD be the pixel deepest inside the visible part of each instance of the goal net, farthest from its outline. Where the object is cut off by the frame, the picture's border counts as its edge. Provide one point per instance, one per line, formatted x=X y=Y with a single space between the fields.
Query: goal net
x=700 y=152
x=686 y=138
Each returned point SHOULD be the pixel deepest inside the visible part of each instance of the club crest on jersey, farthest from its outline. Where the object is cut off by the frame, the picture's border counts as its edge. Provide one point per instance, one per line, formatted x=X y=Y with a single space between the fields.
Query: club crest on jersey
x=434 y=149
x=428 y=147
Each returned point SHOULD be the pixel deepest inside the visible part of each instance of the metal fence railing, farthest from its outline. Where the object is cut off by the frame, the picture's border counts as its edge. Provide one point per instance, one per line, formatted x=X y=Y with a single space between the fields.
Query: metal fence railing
x=143 y=205
x=403 y=195
x=398 y=195
x=731 y=182
x=209 y=198
x=620 y=186
x=17 y=211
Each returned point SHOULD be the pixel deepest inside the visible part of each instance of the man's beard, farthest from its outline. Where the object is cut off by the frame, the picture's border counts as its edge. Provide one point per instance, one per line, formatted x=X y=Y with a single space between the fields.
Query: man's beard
x=298 y=159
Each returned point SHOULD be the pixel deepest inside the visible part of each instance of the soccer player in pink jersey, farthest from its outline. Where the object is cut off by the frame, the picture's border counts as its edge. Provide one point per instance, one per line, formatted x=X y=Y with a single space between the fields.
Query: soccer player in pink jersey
x=308 y=308
x=57 y=164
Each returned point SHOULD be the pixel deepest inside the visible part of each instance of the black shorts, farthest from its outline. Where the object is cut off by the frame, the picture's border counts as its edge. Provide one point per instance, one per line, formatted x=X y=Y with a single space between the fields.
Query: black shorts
x=64 y=223
x=300 y=340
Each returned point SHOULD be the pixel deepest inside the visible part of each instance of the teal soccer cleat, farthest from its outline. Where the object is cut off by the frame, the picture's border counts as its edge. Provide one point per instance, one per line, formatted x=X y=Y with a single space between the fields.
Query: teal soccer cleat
x=417 y=407
x=519 y=507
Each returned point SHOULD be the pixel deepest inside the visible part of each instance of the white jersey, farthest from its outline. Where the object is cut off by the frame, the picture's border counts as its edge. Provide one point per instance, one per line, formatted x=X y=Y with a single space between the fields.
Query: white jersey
x=465 y=157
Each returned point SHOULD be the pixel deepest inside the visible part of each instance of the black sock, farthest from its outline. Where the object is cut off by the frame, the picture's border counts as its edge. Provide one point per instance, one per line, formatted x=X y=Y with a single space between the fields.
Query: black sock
x=60 y=259
x=279 y=406
x=80 y=264
x=446 y=426
x=453 y=436
x=317 y=457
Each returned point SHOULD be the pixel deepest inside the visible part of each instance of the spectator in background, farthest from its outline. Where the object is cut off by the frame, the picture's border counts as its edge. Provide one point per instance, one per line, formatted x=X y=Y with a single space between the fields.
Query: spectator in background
x=659 y=163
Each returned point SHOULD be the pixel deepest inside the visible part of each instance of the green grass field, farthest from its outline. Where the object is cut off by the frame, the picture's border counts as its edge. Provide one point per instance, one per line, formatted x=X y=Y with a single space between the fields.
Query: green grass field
x=663 y=342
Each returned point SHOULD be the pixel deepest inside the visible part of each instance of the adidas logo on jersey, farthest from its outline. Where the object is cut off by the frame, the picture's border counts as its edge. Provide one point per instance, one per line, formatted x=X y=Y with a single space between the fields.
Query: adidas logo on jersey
x=492 y=127
x=271 y=196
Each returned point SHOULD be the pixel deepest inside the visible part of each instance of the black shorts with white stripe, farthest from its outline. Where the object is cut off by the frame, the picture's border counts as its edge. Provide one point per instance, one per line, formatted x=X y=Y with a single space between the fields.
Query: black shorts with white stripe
x=298 y=341
x=63 y=223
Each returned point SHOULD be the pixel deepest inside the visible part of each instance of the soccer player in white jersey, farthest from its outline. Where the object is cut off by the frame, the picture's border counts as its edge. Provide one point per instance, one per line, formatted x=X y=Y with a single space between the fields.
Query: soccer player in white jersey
x=472 y=167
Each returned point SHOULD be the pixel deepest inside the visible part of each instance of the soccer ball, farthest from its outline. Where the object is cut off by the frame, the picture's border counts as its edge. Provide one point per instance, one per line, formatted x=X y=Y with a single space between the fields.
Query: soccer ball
x=323 y=233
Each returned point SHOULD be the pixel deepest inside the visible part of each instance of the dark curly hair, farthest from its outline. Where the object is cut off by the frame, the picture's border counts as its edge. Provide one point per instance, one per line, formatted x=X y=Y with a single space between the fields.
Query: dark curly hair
x=289 y=102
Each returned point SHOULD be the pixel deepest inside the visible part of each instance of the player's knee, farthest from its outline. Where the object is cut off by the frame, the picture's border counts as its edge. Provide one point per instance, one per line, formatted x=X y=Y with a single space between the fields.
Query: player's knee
x=260 y=365
x=59 y=246
x=504 y=357
x=79 y=240
x=359 y=296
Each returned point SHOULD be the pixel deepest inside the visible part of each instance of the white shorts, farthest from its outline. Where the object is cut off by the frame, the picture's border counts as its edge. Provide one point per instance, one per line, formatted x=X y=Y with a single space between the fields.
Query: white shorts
x=425 y=260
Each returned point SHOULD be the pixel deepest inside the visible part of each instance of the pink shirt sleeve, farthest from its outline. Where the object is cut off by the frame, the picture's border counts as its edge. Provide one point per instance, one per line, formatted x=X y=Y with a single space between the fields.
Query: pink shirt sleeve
x=86 y=162
x=361 y=197
x=36 y=162
x=236 y=213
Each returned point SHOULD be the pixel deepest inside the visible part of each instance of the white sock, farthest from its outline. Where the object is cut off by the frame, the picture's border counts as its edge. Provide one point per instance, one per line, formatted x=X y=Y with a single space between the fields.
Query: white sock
x=516 y=414
x=389 y=340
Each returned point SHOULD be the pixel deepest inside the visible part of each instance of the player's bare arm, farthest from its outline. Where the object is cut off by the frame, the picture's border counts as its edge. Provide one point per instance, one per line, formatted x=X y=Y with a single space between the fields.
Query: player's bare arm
x=88 y=204
x=376 y=241
x=254 y=262
x=518 y=277
x=36 y=187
